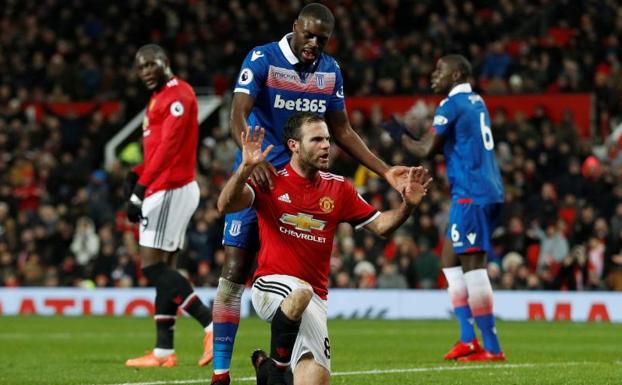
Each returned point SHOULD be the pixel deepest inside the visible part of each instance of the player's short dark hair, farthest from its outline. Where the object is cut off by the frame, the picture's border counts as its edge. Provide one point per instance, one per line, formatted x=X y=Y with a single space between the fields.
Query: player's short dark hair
x=157 y=50
x=318 y=11
x=459 y=63
x=293 y=125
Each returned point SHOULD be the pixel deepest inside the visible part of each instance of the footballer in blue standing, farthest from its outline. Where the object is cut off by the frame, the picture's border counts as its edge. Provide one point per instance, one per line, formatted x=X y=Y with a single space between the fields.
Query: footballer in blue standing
x=461 y=126
x=275 y=81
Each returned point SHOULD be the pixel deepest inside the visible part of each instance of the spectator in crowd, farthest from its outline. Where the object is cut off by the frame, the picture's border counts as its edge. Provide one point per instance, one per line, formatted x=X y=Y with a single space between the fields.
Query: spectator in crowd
x=85 y=244
x=553 y=245
x=390 y=277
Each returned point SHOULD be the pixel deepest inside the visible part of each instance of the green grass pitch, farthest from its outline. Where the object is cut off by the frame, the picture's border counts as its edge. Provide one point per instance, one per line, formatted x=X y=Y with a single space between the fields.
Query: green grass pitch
x=92 y=350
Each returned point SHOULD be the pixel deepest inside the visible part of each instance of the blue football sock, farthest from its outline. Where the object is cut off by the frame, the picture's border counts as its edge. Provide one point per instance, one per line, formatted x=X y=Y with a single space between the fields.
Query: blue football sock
x=226 y=312
x=465 y=319
x=224 y=334
x=486 y=324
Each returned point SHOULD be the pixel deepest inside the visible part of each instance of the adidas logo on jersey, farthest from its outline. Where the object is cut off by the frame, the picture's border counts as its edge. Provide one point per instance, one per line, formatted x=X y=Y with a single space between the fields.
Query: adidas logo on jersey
x=284 y=198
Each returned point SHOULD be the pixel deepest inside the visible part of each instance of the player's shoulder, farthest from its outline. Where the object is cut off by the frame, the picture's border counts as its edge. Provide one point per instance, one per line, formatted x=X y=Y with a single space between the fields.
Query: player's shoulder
x=177 y=87
x=282 y=172
x=329 y=176
x=263 y=53
x=474 y=97
x=444 y=101
x=329 y=63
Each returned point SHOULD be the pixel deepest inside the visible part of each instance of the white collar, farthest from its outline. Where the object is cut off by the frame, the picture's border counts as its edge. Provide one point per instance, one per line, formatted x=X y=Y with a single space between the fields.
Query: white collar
x=287 y=50
x=460 y=88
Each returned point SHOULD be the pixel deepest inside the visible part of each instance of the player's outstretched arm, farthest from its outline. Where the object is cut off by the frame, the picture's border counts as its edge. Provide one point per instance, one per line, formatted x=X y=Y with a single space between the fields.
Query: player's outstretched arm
x=351 y=142
x=413 y=190
x=235 y=195
x=423 y=147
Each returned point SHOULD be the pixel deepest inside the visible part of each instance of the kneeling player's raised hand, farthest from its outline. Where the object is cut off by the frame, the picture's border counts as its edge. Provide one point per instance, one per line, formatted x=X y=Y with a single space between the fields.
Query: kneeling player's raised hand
x=251 y=140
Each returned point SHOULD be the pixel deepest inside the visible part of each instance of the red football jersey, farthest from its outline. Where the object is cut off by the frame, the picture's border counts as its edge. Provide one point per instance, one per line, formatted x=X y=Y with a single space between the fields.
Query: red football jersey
x=170 y=135
x=298 y=220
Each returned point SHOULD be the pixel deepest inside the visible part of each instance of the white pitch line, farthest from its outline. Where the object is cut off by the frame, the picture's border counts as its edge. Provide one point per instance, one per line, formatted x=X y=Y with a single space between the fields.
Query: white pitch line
x=386 y=371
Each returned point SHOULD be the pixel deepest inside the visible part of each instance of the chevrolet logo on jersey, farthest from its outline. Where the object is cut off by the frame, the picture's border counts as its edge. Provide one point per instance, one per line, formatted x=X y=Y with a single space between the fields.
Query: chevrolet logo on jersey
x=304 y=222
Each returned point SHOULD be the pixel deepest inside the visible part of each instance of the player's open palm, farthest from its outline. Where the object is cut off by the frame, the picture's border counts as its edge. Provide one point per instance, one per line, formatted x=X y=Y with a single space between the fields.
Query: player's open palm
x=418 y=181
x=397 y=176
x=251 y=140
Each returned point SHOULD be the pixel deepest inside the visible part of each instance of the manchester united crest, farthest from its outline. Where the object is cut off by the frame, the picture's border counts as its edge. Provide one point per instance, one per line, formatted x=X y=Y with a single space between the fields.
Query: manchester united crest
x=327 y=204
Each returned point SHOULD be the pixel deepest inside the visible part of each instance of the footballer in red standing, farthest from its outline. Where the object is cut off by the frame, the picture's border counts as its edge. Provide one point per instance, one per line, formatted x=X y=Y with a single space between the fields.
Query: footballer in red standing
x=276 y=80
x=297 y=220
x=162 y=196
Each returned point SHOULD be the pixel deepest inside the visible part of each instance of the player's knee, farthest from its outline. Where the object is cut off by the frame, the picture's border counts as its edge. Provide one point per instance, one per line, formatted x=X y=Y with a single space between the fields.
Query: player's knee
x=237 y=265
x=228 y=292
x=150 y=256
x=296 y=302
x=154 y=272
x=473 y=261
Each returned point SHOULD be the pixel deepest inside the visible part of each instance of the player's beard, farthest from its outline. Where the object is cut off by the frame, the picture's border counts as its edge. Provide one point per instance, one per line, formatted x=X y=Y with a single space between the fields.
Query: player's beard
x=311 y=162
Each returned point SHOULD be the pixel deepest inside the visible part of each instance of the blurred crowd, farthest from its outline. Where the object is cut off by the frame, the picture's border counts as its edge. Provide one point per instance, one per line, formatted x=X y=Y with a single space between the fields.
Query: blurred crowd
x=61 y=215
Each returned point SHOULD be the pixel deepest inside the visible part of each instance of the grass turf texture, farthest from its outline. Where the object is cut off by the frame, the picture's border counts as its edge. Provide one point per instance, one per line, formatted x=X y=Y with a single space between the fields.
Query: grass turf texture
x=92 y=350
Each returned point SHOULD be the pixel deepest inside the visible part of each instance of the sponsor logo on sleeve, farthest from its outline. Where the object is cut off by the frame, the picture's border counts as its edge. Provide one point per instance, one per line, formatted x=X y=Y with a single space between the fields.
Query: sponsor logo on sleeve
x=256 y=55
x=439 y=120
x=339 y=93
x=236 y=228
x=246 y=77
x=177 y=109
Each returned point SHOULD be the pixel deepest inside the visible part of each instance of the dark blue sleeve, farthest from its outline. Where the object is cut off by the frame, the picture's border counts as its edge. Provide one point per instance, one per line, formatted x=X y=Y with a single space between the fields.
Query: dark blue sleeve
x=253 y=73
x=444 y=117
x=336 y=101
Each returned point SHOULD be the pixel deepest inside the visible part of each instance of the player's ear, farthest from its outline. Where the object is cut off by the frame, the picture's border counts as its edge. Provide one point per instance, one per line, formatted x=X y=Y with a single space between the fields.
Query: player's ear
x=455 y=76
x=292 y=144
x=294 y=25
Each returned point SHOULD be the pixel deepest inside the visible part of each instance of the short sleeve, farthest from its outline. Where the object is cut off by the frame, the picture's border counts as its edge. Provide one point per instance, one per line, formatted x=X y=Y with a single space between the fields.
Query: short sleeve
x=356 y=210
x=252 y=75
x=444 y=117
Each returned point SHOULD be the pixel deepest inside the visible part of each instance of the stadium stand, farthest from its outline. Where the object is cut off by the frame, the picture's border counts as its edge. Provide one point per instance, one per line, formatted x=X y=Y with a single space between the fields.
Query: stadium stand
x=61 y=218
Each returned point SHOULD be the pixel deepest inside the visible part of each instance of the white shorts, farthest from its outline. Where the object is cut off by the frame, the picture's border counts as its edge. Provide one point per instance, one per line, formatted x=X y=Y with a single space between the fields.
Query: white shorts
x=267 y=294
x=166 y=215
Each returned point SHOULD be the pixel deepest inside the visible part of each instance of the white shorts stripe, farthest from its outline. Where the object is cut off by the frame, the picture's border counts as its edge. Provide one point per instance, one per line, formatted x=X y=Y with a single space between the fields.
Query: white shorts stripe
x=273 y=287
x=161 y=223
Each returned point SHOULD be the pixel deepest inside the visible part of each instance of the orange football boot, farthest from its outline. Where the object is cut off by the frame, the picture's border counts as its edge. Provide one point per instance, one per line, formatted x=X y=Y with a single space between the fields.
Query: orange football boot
x=208 y=349
x=149 y=360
